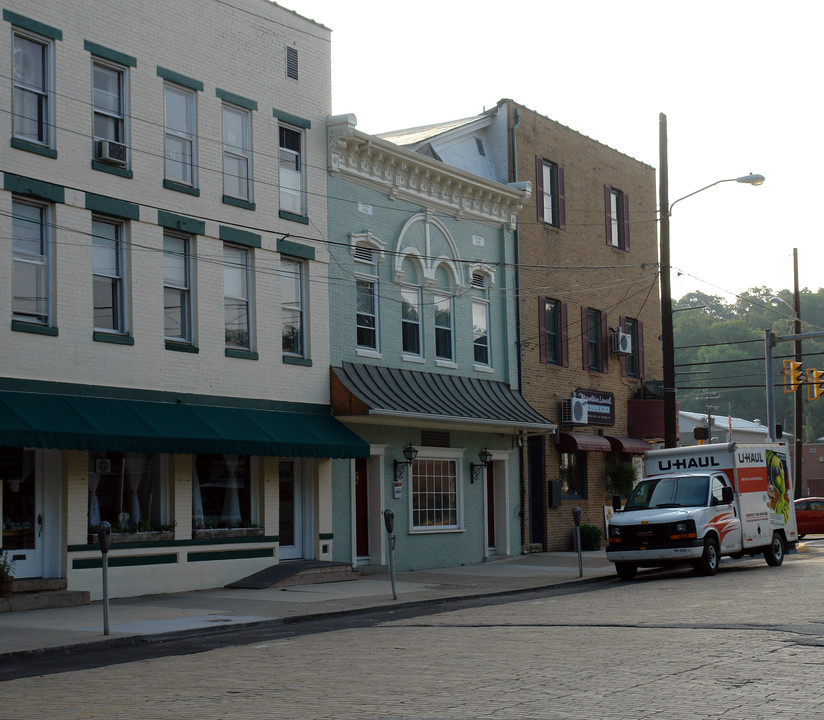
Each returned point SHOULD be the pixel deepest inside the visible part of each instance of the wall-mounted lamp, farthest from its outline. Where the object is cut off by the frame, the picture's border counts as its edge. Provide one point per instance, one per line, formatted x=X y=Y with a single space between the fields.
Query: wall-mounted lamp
x=475 y=470
x=410 y=453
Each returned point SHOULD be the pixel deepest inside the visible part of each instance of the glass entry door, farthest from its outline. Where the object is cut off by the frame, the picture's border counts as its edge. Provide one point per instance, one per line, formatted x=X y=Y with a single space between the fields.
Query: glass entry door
x=290 y=512
x=21 y=512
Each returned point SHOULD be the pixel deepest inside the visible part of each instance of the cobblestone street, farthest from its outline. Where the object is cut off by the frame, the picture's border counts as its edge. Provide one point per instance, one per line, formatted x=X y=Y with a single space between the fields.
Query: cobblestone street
x=746 y=644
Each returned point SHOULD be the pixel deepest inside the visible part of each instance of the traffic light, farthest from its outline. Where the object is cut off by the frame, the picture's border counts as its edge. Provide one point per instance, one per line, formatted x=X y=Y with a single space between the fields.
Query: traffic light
x=792 y=376
x=815 y=380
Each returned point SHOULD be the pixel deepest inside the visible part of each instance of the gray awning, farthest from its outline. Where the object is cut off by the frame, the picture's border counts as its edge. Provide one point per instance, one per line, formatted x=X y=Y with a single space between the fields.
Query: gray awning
x=426 y=396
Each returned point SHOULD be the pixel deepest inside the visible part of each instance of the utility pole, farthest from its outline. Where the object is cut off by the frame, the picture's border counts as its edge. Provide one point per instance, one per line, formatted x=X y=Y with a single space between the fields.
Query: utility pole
x=797 y=457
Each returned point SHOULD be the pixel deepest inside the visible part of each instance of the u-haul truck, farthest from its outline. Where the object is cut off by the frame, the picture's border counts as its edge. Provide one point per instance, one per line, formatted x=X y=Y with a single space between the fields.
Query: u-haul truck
x=698 y=503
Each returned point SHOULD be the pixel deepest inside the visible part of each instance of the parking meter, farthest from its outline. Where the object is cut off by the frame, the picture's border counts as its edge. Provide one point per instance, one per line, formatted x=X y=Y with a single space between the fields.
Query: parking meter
x=104 y=536
x=389 y=520
x=576 y=517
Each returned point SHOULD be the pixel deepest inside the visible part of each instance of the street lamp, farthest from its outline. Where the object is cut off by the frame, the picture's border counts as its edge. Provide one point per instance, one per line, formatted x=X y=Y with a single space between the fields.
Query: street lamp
x=667 y=341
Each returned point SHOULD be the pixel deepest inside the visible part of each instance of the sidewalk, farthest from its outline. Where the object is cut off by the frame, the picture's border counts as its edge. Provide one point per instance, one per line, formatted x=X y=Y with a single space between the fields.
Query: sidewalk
x=39 y=631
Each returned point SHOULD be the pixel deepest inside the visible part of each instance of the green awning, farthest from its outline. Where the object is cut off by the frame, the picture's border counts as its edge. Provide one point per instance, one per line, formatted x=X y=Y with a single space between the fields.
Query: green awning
x=73 y=422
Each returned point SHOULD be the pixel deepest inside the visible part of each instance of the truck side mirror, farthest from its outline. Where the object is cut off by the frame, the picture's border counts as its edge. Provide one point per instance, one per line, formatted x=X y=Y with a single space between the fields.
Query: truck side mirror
x=104 y=536
x=389 y=520
x=616 y=503
x=727 y=495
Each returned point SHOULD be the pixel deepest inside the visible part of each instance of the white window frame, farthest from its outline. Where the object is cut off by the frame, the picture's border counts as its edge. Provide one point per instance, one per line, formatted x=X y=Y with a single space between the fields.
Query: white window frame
x=451 y=455
x=288 y=193
x=116 y=276
x=550 y=179
x=188 y=174
x=407 y=291
x=372 y=282
x=183 y=289
x=291 y=306
x=241 y=154
x=482 y=305
x=45 y=119
x=42 y=261
x=447 y=299
x=616 y=221
x=121 y=118
x=243 y=302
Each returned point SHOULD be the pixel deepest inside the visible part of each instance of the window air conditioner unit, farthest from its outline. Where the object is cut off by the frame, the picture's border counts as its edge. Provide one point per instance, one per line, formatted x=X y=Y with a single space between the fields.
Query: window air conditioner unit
x=574 y=411
x=621 y=343
x=109 y=152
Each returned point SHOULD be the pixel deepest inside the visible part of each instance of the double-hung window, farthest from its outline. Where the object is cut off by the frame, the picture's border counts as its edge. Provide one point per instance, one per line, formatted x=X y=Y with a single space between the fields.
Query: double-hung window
x=109 y=112
x=550 y=194
x=31 y=274
x=109 y=277
x=237 y=152
x=33 y=89
x=480 y=320
x=180 y=142
x=293 y=303
x=292 y=176
x=617 y=218
x=367 y=314
x=594 y=340
x=177 y=288
x=236 y=296
x=411 y=320
x=434 y=494
x=444 y=327
x=632 y=364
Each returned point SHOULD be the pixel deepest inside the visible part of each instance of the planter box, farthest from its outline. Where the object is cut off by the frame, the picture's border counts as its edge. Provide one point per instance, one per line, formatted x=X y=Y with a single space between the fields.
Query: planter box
x=219 y=533
x=137 y=537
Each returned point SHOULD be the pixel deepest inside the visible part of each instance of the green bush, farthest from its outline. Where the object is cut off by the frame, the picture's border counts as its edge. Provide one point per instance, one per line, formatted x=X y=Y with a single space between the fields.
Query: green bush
x=590 y=537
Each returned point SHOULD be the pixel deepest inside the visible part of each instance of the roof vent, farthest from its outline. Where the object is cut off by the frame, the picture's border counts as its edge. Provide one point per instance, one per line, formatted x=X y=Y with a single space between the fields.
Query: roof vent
x=480 y=145
x=292 y=63
x=364 y=254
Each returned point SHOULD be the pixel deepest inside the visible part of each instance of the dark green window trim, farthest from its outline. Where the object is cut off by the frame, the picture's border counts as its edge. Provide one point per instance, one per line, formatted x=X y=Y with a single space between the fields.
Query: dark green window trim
x=181 y=347
x=176 y=543
x=241 y=354
x=179 y=79
x=239 y=237
x=112 y=338
x=122 y=172
x=112 y=206
x=292 y=119
x=294 y=360
x=284 y=215
x=34 y=328
x=181 y=222
x=32 y=25
x=237 y=202
x=230 y=555
x=289 y=247
x=111 y=55
x=179 y=187
x=125 y=561
x=31 y=147
x=238 y=100
x=33 y=188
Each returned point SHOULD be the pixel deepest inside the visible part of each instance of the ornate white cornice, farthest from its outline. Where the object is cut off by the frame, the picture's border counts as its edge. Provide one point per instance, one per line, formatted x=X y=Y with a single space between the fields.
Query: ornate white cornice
x=404 y=174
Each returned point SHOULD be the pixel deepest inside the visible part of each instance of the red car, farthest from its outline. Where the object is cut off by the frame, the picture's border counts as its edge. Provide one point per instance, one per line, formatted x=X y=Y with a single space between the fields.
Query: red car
x=809 y=513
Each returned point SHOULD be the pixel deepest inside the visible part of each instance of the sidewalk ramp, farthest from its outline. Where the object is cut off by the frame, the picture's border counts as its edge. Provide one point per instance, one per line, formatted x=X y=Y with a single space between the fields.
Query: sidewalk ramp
x=302 y=572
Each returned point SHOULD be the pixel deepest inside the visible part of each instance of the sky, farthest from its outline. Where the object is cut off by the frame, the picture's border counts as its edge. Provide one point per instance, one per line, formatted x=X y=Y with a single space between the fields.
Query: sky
x=739 y=83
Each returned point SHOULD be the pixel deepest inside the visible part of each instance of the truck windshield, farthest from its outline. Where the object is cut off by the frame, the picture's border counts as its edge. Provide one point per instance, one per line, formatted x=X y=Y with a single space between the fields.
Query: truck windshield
x=669 y=492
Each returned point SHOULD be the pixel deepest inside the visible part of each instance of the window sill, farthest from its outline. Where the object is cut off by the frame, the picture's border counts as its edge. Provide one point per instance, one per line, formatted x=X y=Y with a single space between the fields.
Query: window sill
x=431 y=531
x=33 y=148
x=413 y=359
x=112 y=169
x=293 y=360
x=34 y=328
x=238 y=202
x=180 y=187
x=241 y=354
x=114 y=338
x=484 y=369
x=362 y=352
x=285 y=215
x=446 y=364
x=216 y=533
x=183 y=347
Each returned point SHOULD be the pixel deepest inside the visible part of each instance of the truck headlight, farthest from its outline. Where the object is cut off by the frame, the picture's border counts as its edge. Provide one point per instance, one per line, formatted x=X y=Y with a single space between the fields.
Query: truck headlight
x=684 y=530
x=614 y=534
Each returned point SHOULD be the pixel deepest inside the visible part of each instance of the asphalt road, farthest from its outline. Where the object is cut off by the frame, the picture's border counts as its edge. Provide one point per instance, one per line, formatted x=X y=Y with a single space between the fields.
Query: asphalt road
x=743 y=645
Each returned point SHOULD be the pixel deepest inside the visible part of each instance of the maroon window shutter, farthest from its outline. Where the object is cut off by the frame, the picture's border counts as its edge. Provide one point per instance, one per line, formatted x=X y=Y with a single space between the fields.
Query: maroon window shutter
x=639 y=329
x=542 y=328
x=604 y=344
x=539 y=187
x=622 y=323
x=584 y=338
x=625 y=219
x=561 y=198
x=564 y=344
x=607 y=197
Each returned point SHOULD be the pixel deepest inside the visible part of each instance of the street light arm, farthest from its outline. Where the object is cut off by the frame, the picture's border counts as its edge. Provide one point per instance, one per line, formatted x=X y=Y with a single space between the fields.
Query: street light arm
x=752 y=179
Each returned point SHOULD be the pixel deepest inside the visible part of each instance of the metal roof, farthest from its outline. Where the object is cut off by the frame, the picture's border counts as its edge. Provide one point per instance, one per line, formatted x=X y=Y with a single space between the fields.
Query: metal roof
x=394 y=392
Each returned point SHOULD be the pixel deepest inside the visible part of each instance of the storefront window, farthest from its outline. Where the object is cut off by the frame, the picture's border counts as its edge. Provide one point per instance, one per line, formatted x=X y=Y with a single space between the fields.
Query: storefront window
x=222 y=492
x=434 y=494
x=18 y=499
x=572 y=474
x=125 y=490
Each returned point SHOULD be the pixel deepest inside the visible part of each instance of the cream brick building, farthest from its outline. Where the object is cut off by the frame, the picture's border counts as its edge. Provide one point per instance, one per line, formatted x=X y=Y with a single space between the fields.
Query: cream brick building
x=164 y=279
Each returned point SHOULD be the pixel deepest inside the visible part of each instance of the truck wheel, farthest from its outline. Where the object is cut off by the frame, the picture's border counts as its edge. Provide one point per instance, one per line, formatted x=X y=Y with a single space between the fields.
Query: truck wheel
x=708 y=564
x=774 y=552
x=625 y=570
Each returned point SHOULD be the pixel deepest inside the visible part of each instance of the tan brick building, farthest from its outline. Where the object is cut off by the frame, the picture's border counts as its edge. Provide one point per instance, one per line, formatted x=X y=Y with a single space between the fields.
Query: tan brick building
x=589 y=321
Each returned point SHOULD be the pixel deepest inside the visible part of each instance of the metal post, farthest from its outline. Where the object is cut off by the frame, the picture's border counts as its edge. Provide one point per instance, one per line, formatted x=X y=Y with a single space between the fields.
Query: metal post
x=104 y=536
x=769 y=341
x=667 y=340
x=392 y=566
x=799 y=423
